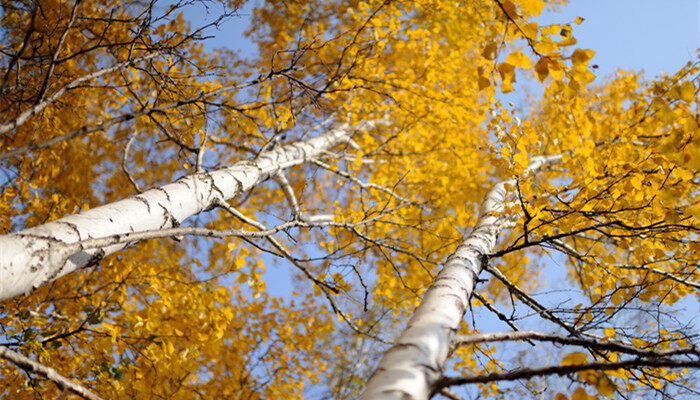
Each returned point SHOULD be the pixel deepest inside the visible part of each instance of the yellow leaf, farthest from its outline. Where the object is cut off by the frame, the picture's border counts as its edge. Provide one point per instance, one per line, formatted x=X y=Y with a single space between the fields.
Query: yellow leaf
x=541 y=69
x=531 y=30
x=583 y=76
x=617 y=298
x=490 y=51
x=506 y=71
x=510 y=9
x=483 y=82
x=574 y=358
x=580 y=57
x=358 y=161
x=508 y=75
x=589 y=376
x=568 y=41
x=605 y=386
x=687 y=92
x=507 y=87
x=532 y=7
x=521 y=159
x=578 y=20
x=580 y=394
x=556 y=70
x=518 y=59
x=242 y=278
x=505 y=152
x=609 y=332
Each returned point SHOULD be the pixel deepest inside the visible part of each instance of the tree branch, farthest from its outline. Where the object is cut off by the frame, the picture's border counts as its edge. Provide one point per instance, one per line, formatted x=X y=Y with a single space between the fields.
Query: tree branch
x=47 y=372
x=526 y=373
x=568 y=340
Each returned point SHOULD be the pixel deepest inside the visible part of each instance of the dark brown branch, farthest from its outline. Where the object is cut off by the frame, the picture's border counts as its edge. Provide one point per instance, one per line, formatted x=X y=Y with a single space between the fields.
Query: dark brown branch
x=590 y=343
x=527 y=373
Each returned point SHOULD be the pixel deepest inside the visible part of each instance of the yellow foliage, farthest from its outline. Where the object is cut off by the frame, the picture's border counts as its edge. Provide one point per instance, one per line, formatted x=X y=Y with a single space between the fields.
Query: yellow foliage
x=621 y=203
x=574 y=358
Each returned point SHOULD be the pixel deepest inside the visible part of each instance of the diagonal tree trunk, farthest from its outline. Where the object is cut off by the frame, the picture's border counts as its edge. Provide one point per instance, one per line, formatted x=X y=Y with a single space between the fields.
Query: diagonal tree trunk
x=38 y=255
x=410 y=369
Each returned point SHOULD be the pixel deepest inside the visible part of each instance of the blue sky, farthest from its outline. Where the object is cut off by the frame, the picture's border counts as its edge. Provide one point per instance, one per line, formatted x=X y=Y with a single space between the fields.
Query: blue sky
x=651 y=35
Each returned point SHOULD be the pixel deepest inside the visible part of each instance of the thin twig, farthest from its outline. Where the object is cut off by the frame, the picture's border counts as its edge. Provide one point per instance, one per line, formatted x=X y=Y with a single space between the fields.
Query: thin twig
x=527 y=373
x=23 y=117
x=125 y=155
x=569 y=340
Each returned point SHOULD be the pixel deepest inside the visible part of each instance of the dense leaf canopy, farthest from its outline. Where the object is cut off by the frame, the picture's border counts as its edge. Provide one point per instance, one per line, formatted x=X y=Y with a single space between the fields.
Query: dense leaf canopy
x=101 y=100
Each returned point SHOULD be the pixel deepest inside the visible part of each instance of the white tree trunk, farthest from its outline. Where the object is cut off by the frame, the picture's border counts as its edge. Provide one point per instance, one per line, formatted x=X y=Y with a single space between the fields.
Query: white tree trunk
x=410 y=369
x=35 y=256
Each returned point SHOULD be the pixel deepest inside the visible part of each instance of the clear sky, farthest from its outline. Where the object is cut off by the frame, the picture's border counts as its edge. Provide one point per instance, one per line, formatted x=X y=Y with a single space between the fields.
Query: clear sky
x=654 y=35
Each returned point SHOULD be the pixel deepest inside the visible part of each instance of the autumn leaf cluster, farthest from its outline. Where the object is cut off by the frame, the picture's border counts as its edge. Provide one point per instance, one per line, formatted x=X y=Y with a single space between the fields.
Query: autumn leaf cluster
x=101 y=100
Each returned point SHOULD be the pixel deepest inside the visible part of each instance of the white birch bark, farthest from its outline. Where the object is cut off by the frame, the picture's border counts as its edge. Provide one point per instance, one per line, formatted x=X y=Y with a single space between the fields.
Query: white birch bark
x=410 y=369
x=38 y=255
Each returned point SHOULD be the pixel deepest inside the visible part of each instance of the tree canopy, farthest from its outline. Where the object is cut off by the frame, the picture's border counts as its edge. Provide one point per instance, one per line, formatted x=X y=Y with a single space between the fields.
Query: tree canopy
x=150 y=186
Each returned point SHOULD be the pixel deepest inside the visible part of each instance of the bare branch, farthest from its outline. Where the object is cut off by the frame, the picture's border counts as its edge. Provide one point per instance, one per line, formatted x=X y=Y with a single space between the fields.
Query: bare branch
x=288 y=191
x=47 y=372
x=667 y=274
x=591 y=343
x=527 y=373
x=54 y=58
x=23 y=117
x=125 y=154
x=366 y=185
x=133 y=237
x=529 y=301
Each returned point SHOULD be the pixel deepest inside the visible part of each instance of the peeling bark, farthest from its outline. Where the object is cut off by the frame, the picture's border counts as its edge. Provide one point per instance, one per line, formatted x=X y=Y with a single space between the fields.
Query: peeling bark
x=38 y=255
x=412 y=367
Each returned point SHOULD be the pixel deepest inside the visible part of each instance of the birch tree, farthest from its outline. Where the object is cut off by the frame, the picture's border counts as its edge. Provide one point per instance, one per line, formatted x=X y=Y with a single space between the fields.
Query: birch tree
x=153 y=188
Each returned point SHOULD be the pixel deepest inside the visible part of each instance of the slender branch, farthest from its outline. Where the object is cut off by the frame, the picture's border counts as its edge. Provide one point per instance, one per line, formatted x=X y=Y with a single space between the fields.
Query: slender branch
x=529 y=301
x=86 y=129
x=527 y=373
x=49 y=373
x=600 y=345
x=54 y=58
x=662 y=273
x=125 y=155
x=207 y=232
x=496 y=311
x=366 y=185
x=327 y=289
x=15 y=58
x=450 y=394
x=23 y=117
x=281 y=180
x=277 y=245
x=203 y=144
